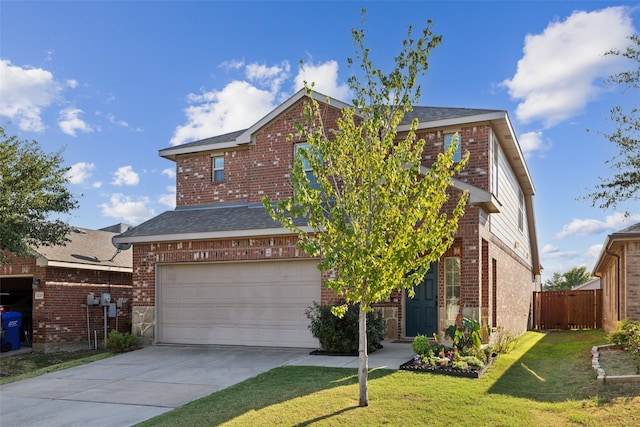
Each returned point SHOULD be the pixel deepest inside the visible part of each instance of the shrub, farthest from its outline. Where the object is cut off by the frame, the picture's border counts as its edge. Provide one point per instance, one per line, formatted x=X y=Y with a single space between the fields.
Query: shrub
x=340 y=335
x=504 y=342
x=627 y=336
x=475 y=352
x=473 y=361
x=120 y=342
x=420 y=344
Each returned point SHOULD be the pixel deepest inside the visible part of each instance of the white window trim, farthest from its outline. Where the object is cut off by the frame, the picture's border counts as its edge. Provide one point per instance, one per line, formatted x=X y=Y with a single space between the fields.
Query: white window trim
x=214 y=169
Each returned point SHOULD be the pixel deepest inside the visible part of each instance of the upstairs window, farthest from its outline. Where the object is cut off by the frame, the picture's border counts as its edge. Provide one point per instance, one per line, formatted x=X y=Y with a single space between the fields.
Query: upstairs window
x=520 y=210
x=218 y=169
x=448 y=140
x=305 y=165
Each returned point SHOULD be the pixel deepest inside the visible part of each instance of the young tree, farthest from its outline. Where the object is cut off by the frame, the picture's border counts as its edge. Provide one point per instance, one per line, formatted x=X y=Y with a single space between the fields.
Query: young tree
x=32 y=189
x=567 y=280
x=377 y=214
x=625 y=183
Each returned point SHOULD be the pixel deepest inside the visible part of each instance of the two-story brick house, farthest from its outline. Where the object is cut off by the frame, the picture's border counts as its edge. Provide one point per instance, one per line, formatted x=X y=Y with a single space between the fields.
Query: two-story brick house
x=219 y=270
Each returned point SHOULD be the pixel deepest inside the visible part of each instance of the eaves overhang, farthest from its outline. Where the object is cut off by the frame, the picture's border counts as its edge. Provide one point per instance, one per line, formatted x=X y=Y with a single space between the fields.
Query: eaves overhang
x=210 y=235
x=611 y=243
x=44 y=262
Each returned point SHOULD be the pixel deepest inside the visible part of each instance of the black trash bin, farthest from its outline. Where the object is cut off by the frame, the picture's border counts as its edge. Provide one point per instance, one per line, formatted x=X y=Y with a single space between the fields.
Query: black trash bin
x=11 y=325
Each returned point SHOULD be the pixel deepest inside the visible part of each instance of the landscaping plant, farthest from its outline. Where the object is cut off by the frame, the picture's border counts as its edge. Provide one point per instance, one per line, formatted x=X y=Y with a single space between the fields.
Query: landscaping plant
x=121 y=342
x=340 y=335
x=627 y=336
x=465 y=333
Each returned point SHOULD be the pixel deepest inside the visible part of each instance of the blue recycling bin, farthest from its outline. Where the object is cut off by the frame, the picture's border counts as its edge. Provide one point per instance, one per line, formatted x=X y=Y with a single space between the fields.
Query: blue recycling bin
x=11 y=324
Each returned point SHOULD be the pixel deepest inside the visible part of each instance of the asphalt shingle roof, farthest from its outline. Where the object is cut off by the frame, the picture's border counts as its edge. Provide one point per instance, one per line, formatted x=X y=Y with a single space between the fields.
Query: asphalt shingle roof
x=92 y=247
x=206 y=220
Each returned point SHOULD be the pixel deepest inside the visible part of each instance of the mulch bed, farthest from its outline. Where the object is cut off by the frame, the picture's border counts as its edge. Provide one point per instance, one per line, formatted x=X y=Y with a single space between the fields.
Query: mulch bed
x=445 y=370
x=330 y=353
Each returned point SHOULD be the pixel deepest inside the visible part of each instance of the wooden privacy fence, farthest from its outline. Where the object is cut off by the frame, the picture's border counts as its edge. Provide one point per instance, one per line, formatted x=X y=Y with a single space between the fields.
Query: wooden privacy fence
x=567 y=309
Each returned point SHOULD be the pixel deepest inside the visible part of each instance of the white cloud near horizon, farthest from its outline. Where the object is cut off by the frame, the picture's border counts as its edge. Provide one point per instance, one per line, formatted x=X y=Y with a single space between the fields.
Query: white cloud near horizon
x=125 y=175
x=586 y=227
x=125 y=208
x=70 y=122
x=555 y=78
x=169 y=199
x=241 y=103
x=25 y=92
x=80 y=172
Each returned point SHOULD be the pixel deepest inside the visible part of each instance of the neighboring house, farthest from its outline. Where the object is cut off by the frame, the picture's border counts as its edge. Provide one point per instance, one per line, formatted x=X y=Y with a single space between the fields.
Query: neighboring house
x=219 y=270
x=51 y=290
x=588 y=285
x=619 y=270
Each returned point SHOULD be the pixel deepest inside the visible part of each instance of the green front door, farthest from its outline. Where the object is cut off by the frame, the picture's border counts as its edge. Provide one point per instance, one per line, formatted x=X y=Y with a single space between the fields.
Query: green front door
x=422 y=309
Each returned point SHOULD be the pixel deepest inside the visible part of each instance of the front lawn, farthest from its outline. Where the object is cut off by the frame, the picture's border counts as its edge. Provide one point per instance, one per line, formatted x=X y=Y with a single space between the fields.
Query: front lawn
x=546 y=380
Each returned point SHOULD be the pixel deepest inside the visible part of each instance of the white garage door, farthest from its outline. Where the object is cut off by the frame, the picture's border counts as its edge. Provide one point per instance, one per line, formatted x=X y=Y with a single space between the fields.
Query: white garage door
x=248 y=303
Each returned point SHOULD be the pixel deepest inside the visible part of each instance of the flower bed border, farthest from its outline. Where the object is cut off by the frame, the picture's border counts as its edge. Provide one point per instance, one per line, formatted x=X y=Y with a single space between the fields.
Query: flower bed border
x=471 y=373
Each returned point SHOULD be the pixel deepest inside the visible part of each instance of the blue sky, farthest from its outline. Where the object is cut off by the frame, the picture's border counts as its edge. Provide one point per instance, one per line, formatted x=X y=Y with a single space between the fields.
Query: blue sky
x=111 y=83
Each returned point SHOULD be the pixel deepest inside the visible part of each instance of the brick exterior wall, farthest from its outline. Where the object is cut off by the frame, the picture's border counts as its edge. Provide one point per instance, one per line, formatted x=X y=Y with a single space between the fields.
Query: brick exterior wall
x=59 y=318
x=610 y=294
x=632 y=280
x=250 y=172
x=263 y=168
x=621 y=285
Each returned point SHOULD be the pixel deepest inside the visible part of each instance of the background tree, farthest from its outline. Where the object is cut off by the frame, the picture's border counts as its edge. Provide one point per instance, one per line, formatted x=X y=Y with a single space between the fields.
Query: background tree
x=32 y=190
x=625 y=183
x=567 y=280
x=377 y=215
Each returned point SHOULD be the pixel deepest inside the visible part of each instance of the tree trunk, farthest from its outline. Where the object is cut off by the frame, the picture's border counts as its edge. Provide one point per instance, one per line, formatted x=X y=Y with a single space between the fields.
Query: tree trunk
x=363 y=368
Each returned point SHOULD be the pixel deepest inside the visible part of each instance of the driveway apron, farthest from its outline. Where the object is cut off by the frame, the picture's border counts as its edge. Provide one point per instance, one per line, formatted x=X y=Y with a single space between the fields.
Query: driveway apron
x=129 y=388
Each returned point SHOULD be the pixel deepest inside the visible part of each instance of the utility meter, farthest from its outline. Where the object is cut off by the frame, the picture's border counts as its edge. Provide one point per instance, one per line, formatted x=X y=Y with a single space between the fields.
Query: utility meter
x=105 y=299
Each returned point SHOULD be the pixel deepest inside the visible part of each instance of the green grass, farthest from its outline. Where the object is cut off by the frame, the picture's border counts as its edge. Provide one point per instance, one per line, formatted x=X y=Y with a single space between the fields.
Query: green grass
x=546 y=380
x=29 y=365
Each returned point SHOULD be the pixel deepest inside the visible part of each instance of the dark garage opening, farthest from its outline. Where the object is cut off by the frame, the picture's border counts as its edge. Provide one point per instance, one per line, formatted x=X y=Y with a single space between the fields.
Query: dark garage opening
x=16 y=295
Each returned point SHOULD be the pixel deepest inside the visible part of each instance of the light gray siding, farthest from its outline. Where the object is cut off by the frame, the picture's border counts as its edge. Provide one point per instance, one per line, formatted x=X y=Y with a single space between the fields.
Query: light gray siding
x=506 y=225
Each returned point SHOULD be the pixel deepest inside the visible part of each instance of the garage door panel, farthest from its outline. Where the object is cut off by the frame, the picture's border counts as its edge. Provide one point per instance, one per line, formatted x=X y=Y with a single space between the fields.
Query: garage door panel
x=256 y=303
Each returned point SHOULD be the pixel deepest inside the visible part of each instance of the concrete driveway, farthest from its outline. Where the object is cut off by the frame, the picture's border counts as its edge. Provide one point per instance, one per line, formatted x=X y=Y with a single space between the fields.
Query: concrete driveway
x=126 y=389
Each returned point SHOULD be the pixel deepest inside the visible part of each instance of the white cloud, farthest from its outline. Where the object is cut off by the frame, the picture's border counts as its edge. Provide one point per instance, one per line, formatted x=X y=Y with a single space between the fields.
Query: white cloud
x=237 y=106
x=271 y=77
x=170 y=198
x=242 y=103
x=586 y=227
x=125 y=175
x=550 y=251
x=80 y=172
x=325 y=79
x=124 y=207
x=532 y=143
x=72 y=83
x=24 y=93
x=169 y=172
x=69 y=121
x=234 y=64
x=594 y=252
x=555 y=77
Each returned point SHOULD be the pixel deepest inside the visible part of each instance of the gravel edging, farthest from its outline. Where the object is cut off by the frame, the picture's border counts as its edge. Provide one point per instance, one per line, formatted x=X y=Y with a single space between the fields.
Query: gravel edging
x=602 y=376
